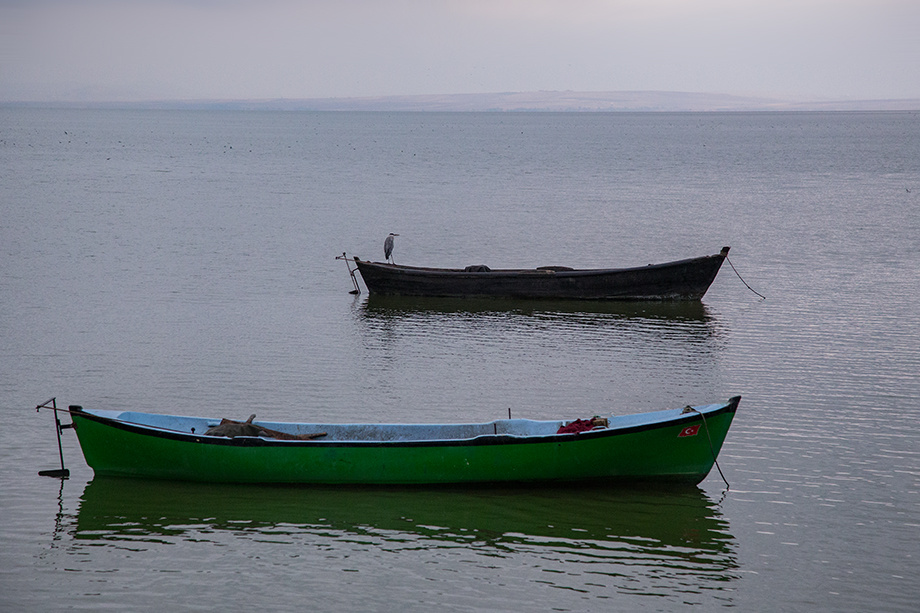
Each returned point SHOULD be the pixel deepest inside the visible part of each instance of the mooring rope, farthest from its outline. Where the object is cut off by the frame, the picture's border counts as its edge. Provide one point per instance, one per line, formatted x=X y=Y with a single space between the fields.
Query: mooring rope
x=712 y=449
x=742 y=280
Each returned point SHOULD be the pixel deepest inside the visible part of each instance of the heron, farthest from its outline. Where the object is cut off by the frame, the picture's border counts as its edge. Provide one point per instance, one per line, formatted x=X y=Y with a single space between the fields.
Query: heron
x=388 y=247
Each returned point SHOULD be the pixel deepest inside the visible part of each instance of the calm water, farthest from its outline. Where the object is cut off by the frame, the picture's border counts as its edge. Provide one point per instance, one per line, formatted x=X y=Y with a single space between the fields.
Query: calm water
x=183 y=262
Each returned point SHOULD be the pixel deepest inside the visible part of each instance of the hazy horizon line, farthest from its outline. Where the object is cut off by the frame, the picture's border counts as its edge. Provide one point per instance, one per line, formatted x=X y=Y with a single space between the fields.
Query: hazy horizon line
x=534 y=101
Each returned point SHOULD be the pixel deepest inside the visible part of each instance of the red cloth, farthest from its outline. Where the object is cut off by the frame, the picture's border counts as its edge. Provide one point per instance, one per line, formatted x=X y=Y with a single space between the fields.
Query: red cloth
x=579 y=425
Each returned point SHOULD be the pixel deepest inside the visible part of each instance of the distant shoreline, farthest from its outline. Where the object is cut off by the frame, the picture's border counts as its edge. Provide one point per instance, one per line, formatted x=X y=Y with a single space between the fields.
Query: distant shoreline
x=546 y=101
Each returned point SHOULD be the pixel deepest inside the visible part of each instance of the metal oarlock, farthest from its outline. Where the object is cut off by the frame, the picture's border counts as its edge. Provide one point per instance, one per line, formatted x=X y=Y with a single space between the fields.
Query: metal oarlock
x=61 y=472
x=351 y=271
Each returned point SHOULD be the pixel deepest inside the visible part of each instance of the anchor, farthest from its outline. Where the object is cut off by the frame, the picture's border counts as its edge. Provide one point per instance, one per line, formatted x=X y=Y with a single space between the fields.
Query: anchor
x=61 y=472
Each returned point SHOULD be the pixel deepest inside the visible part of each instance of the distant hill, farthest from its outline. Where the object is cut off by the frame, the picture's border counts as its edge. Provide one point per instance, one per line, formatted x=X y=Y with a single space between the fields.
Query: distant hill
x=568 y=101
x=548 y=101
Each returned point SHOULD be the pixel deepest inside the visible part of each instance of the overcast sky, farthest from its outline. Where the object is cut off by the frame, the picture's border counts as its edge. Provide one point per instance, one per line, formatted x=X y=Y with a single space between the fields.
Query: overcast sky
x=131 y=50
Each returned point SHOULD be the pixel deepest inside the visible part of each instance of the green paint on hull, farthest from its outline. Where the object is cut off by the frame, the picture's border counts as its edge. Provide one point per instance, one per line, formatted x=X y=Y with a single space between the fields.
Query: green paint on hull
x=647 y=453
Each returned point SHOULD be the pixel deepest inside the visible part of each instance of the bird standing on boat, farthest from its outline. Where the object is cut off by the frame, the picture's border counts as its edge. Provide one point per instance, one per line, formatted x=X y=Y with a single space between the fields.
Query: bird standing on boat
x=388 y=247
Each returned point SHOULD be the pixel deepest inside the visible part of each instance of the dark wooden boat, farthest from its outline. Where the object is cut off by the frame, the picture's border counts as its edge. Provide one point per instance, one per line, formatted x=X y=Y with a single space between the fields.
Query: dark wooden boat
x=680 y=280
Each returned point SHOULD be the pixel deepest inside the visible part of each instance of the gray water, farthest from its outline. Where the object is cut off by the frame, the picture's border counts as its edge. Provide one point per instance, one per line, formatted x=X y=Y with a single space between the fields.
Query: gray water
x=183 y=262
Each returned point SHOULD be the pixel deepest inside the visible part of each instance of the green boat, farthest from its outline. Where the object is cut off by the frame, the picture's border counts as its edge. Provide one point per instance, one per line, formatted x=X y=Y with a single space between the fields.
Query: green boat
x=679 y=445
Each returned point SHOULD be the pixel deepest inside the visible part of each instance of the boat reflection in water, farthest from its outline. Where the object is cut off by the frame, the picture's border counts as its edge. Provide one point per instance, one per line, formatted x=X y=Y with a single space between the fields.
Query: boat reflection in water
x=546 y=327
x=690 y=320
x=653 y=540
x=379 y=305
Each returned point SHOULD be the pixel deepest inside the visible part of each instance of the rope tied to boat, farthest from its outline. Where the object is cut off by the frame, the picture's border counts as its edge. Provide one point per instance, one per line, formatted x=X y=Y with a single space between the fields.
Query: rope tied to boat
x=742 y=279
x=712 y=449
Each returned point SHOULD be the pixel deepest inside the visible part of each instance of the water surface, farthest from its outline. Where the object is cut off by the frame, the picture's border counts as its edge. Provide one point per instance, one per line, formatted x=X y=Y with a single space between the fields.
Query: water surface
x=183 y=262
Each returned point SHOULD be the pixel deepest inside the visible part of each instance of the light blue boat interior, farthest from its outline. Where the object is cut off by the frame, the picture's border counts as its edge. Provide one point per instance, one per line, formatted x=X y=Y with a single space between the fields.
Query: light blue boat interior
x=399 y=432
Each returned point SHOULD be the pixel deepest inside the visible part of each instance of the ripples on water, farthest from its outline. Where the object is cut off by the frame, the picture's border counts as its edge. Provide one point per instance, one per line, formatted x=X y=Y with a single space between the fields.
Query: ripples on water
x=543 y=352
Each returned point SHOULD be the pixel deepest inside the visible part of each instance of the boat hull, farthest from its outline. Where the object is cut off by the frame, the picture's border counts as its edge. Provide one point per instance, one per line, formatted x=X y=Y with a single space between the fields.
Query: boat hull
x=681 y=280
x=633 y=448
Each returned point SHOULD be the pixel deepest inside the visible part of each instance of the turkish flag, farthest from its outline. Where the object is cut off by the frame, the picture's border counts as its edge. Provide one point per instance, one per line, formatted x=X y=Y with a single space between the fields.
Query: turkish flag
x=689 y=431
